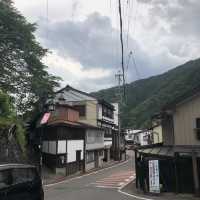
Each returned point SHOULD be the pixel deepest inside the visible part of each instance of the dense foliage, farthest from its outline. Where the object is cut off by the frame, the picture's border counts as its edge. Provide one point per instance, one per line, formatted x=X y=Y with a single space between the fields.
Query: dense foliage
x=147 y=96
x=24 y=81
x=22 y=74
x=8 y=118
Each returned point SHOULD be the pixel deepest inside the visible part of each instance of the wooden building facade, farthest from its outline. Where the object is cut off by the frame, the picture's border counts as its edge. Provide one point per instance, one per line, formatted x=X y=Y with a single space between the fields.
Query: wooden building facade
x=64 y=141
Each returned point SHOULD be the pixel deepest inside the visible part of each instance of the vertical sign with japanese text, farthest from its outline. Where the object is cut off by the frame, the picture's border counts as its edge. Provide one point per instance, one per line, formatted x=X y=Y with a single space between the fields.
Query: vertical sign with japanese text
x=154 y=181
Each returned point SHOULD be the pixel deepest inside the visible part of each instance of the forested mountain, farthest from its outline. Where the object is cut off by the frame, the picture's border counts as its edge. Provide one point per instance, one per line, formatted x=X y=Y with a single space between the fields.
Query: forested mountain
x=146 y=97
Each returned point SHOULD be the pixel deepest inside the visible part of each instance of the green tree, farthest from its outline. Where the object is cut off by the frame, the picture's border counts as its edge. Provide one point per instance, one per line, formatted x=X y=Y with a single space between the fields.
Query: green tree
x=8 y=118
x=22 y=73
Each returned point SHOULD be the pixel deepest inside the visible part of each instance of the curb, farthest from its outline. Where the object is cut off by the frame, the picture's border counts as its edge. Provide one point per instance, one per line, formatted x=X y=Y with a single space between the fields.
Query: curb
x=85 y=175
x=131 y=195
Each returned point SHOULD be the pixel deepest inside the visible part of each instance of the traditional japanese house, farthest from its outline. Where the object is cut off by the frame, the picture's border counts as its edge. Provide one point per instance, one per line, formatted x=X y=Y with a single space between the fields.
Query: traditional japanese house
x=179 y=152
x=67 y=144
x=95 y=112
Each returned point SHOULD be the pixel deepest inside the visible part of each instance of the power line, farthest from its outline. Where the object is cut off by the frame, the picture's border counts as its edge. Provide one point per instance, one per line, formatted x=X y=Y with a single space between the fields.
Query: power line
x=131 y=57
x=135 y=66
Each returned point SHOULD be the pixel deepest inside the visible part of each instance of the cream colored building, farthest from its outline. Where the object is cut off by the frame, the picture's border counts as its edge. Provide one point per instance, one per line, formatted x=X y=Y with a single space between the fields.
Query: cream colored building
x=186 y=119
x=181 y=125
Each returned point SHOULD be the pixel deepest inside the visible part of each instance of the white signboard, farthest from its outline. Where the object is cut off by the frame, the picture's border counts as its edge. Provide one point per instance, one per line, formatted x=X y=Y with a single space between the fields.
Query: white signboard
x=154 y=181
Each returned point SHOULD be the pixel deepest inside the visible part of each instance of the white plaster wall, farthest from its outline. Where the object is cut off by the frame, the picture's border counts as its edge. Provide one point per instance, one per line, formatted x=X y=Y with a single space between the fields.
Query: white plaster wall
x=72 y=147
x=62 y=147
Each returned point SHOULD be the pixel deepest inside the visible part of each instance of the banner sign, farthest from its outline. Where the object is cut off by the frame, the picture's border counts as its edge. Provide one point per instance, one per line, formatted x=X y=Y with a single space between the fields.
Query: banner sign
x=45 y=118
x=154 y=180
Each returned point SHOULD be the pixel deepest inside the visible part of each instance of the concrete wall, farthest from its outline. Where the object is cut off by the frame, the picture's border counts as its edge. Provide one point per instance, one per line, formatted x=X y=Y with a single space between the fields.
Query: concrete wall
x=89 y=166
x=98 y=160
x=185 y=122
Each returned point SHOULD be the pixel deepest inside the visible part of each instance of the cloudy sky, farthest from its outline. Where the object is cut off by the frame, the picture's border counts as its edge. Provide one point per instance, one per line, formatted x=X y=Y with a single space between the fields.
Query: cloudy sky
x=83 y=37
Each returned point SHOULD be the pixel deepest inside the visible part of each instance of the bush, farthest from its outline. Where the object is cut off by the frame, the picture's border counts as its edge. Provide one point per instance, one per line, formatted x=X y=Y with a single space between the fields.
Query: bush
x=8 y=117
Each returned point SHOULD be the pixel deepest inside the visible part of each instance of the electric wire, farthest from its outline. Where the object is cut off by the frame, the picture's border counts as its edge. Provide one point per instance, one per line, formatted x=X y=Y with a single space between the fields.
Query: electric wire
x=135 y=66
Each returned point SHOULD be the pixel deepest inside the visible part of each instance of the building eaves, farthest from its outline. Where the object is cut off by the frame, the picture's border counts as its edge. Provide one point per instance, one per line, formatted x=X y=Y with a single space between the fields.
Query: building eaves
x=100 y=101
x=68 y=87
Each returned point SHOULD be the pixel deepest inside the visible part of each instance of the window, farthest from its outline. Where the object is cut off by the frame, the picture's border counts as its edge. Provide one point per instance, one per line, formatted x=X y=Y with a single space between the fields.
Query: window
x=81 y=109
x=90 y=156
x=107 y=112
x=198 y=128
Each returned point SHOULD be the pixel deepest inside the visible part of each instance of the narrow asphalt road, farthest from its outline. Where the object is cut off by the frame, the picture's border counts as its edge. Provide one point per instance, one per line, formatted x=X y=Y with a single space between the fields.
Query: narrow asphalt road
x=100 y=185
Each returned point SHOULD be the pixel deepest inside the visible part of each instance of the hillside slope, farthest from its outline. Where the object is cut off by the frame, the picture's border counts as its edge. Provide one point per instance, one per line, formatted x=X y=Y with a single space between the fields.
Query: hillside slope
x=147 y=96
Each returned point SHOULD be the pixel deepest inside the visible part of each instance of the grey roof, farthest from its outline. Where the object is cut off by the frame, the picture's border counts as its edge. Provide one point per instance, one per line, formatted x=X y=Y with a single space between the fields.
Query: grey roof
x=70 y=95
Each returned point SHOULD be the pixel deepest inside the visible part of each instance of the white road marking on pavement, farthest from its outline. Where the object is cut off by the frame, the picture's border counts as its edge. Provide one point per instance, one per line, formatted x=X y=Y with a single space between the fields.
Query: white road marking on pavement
x=117 y=180
x=130 y=195
x=134 y=196
x=79 y=177
x=107 y=187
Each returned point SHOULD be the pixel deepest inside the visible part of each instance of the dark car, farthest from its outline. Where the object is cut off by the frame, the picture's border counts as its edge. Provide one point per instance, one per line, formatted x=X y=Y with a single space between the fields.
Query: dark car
x=21 y=182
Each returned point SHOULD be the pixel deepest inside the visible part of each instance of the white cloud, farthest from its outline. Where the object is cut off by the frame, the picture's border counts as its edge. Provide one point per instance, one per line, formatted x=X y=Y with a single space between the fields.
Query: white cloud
x=73 y=73
x=163 y=34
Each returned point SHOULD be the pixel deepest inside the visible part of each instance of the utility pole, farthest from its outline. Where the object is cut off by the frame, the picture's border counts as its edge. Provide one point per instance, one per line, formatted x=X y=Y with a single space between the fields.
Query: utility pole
x=122 y=46
x=119 y=77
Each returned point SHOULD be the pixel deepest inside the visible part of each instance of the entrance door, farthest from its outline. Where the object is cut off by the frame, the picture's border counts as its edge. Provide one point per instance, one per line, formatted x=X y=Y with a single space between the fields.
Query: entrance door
x=78 y=159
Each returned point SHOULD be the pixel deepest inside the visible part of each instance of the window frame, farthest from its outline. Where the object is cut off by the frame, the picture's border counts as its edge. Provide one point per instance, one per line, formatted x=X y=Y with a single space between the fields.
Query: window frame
x=81 y=109
x=90 y=160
